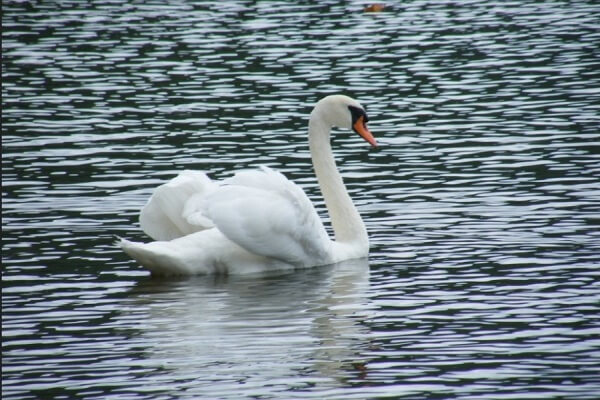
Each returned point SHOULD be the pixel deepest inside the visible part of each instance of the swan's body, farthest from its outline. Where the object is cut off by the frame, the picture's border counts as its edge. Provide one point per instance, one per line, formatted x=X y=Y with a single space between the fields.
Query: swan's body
x=258 y=220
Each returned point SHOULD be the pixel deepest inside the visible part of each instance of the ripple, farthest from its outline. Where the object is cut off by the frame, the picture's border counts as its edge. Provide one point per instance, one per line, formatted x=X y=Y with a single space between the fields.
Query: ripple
x=481 y=201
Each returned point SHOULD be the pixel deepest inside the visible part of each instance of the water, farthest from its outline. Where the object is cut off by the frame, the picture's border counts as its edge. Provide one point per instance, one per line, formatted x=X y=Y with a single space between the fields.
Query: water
x=482 y=201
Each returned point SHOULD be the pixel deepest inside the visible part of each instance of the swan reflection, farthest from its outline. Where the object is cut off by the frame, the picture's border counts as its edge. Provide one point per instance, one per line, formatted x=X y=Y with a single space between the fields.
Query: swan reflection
x=290 y=330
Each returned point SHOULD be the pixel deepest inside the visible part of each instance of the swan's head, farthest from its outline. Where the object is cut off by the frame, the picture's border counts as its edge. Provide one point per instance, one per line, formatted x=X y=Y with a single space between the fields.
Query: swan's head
x=344 y=112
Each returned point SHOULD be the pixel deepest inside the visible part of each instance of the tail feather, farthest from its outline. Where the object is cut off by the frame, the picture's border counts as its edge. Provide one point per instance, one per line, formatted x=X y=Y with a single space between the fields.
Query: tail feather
x=159 y=258
x=201 y=253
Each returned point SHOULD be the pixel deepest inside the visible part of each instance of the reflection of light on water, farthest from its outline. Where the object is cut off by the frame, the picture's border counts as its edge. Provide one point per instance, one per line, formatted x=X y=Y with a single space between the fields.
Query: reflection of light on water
x=290 y=330
x=481 y=201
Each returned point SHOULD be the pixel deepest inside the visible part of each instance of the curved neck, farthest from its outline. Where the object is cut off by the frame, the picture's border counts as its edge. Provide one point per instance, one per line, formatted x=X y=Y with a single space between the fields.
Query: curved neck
x=345 y=219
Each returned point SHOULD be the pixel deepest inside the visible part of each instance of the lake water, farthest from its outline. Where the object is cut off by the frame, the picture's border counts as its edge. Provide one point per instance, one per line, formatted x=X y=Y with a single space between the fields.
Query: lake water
x=482 y=201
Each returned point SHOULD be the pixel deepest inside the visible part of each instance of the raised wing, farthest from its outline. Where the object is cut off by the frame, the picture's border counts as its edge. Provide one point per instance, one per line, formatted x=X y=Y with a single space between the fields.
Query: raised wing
x=172 y=211
x=266 y=214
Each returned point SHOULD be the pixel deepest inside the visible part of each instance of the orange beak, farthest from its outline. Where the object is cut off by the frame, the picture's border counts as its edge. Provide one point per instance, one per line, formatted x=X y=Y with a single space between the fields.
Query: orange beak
x=360 y=127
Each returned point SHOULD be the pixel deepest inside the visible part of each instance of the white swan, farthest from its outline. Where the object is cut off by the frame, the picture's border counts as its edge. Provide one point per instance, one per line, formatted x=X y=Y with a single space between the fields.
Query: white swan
x=256 y=221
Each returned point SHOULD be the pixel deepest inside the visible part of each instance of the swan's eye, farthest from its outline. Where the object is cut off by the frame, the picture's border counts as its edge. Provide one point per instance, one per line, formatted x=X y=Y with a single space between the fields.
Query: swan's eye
x=356 y=113
x=359 y=124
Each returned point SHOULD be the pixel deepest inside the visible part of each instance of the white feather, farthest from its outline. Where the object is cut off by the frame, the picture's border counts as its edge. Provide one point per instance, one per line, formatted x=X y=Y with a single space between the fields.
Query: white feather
x=269 y=215
x=166 y=215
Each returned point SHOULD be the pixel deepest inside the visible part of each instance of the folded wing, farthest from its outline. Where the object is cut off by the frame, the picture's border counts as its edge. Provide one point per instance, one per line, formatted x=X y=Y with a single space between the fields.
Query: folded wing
x=266 y=214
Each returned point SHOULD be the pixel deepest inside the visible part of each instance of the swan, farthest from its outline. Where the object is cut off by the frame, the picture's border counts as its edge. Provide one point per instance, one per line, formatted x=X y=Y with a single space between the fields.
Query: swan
x=256 y=221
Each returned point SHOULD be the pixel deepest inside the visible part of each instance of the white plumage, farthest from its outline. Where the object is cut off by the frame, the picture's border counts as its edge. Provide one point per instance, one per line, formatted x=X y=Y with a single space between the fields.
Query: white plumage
x=255 y=221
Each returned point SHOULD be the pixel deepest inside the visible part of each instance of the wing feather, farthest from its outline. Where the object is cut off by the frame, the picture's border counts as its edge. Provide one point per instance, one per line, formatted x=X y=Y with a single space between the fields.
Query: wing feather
x=170 y=214
x=266 y=214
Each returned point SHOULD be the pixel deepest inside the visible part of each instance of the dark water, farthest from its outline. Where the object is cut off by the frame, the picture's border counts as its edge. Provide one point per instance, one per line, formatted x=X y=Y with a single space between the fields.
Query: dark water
x=482 y=202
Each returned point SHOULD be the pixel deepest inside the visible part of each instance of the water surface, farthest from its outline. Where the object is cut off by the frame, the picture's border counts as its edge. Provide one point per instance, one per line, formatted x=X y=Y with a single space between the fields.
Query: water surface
x=482 y=201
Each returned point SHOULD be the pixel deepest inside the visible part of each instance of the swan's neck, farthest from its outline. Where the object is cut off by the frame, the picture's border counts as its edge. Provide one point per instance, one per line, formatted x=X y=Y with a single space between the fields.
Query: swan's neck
x=345 y=219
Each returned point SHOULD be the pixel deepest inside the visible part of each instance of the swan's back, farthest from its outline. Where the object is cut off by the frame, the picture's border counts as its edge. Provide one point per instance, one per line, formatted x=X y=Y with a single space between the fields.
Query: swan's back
x=255 y=221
